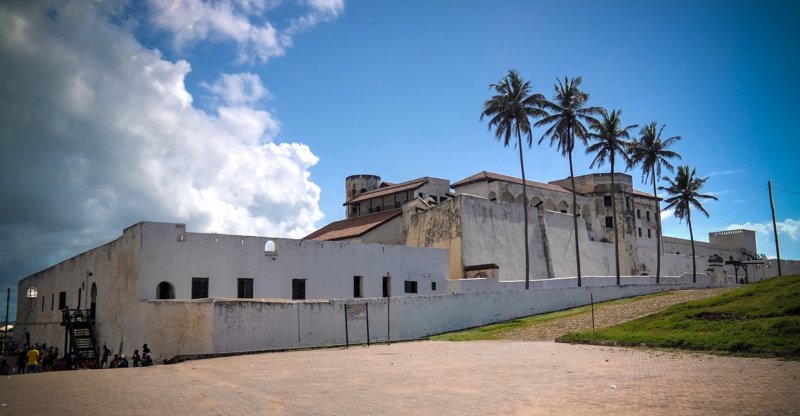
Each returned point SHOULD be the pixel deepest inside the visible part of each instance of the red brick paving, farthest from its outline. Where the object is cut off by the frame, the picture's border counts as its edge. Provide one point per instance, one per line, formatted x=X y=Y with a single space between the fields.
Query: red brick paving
x=424 y=378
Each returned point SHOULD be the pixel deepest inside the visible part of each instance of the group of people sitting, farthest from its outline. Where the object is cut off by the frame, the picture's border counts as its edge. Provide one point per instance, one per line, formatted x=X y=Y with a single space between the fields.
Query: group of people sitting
x=36 y=358
x=119 y=360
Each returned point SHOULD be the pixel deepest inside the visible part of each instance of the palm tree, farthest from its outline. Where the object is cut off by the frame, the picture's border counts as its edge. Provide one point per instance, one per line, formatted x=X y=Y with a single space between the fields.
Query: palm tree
x=685 y=194
x=567 y=115
x=510 y=111
x=651 y=152
x=610 y=141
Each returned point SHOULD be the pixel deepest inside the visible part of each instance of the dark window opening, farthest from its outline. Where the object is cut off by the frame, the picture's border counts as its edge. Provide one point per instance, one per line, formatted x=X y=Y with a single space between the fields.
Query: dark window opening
x=607 y=201
x=609 y=222
x=357 y=286
x=411 y=286
x=62 y=300
x=42 y=303
x=433 y=285
x=563 y=211
x=386 y=291
x=640 y=231
x=298 y=289
x=244 y=288
x=164 y=290
x=648 y=215
x=648 y=233
x=199 y=287
x=421 y=195
x=639 y=214
x=52 y=301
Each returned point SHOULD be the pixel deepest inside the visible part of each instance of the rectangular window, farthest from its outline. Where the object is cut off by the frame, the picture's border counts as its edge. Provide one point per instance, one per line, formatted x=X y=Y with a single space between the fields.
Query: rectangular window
x=609 y=222
x=640 y=231
x=433 y=197
x=358 y=282
x=639 y=214
x=607 y=201
x=648 y=233
x=42 y=303
x=52 y=301
x=648 y=215
x=386 y=289
x=298 y=289
x=62 y=300
x=421 y=195
x=433 y=286
x=411 y=286
x=199 y=287
x=244 y=288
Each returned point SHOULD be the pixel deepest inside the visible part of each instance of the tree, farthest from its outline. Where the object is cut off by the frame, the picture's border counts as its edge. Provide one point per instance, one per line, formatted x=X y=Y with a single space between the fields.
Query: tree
x=685 y=195
x=566 y=118
x=651 y=152
x=610 y=141
x=510 y=111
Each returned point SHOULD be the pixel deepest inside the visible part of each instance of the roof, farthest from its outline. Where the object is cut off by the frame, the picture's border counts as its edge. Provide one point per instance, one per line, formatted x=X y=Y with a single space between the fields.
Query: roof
x=352 y=227
x=489 y=176
x=389 y=190
x=644 y=194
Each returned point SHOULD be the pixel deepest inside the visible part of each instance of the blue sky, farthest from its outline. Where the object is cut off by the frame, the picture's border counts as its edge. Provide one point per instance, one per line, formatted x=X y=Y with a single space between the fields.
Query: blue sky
x=246 y=116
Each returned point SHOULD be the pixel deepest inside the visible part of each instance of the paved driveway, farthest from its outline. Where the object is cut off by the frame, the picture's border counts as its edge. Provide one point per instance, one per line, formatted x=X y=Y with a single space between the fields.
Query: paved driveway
x=422 y=378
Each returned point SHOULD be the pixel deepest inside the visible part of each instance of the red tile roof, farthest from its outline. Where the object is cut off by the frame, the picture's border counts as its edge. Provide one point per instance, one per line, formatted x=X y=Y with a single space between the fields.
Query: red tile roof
x=644 y=194
x=489 y=176
x=389 y=190
x=352 y=227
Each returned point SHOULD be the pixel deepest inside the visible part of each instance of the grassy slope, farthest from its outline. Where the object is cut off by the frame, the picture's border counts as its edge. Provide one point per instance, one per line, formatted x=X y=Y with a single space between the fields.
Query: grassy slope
x=761 y=317
x=495 y=331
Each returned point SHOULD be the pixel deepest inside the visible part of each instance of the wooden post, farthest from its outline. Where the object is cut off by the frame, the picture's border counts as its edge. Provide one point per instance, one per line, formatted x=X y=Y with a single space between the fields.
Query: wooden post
x=346 y=335
x=366 y=305
x=388 y=309
x=591 y=298
x=775 y=226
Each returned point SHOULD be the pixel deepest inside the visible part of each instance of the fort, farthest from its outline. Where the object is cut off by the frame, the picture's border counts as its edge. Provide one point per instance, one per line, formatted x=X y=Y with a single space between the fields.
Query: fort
x=425 y=256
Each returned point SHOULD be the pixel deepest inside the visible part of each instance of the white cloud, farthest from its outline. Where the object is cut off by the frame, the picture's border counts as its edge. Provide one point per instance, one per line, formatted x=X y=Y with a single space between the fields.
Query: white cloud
x=726 y=172
x=100 y=133
x=241 y=21
x=667 y=214
x=238 y=89
x=789 y=228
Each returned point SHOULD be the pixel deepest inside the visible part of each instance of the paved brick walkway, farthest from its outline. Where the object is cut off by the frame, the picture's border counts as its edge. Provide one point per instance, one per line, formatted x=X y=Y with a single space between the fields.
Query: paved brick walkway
x=426 y=378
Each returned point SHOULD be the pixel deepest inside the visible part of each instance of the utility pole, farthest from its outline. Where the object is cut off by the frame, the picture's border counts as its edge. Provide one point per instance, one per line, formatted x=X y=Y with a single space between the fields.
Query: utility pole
x=775 y=226
x=5 y=333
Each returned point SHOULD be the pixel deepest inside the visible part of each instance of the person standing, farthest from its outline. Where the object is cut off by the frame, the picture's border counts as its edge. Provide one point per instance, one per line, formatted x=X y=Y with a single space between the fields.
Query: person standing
x=104 y=359
x=33 y=360
x=136 y=358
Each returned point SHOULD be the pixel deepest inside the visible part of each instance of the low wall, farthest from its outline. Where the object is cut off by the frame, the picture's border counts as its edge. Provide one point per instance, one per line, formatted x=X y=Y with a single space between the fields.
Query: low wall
x=245 y=325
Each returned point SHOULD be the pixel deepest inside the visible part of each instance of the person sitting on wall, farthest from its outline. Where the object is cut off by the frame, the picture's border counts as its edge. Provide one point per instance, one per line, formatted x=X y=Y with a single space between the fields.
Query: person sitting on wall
x=33 y=360
x=114 y=362
x=147 y=361
x=123 y=362
x=136 y=358
x=62 y=365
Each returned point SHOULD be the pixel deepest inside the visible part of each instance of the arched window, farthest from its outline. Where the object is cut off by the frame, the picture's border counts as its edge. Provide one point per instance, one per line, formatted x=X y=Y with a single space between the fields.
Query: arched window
x=165 y=290
x=563 y=207
x=507 y=198
x=492 y=196
x=270 y=248
x=521 y=199
x=535 y=200
x=550 y=205
x=32 y=292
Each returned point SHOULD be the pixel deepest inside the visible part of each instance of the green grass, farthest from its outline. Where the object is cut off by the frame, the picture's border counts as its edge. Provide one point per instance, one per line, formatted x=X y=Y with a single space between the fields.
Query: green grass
x=761 y=318
x=496 y=331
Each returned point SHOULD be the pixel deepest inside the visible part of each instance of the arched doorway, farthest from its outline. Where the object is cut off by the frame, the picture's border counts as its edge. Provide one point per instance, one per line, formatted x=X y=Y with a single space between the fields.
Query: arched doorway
x=93 y=307
x=165 y=290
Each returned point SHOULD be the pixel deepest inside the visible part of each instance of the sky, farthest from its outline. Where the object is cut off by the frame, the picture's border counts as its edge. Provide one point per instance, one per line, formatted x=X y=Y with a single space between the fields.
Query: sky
x=246 y=116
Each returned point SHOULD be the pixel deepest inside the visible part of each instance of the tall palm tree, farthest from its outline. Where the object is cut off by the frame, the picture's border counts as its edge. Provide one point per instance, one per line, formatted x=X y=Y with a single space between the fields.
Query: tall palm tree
x=567 y=115
x=685 y=194
x=510 y=111
x=610 y=140
x=651 y=152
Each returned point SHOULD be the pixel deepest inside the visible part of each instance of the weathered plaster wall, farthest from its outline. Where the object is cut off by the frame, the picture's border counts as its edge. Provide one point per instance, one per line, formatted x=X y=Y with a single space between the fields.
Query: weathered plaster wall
x=440 y=227
x=390 y=232
x=327 y=266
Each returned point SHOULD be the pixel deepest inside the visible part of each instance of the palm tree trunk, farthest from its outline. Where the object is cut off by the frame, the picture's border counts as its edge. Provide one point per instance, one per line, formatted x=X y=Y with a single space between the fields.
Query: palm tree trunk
x=691 y=237
x=575 y=220
x=616 y=224
x=658 y=229
x=525 y=214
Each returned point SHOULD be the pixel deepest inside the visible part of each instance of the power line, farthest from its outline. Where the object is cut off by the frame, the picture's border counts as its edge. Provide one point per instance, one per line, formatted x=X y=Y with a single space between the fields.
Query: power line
x=784 y=190
x=749 y=206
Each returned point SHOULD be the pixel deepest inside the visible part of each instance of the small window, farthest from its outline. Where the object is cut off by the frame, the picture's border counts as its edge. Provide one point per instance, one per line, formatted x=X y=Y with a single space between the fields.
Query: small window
x=421 y=195
x=640 y=231
x=609 y=222
x=165 y=290
x=270 y=248
x=358 y=284
x=607 y=201
x=79 y=298
x=52 y=301
x=648 y=215
x=244 y=288
x=639 y=214
x=32 y=292
x=433 y=286
x=62 y=300
x=298 y=289
x=42 y=303
x=199 y=287
x=411 y=286
x=386 y=289
x=648 y=233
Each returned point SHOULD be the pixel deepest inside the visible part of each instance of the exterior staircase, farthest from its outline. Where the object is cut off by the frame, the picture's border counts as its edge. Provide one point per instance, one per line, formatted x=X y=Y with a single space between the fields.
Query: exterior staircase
x=81 y=334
